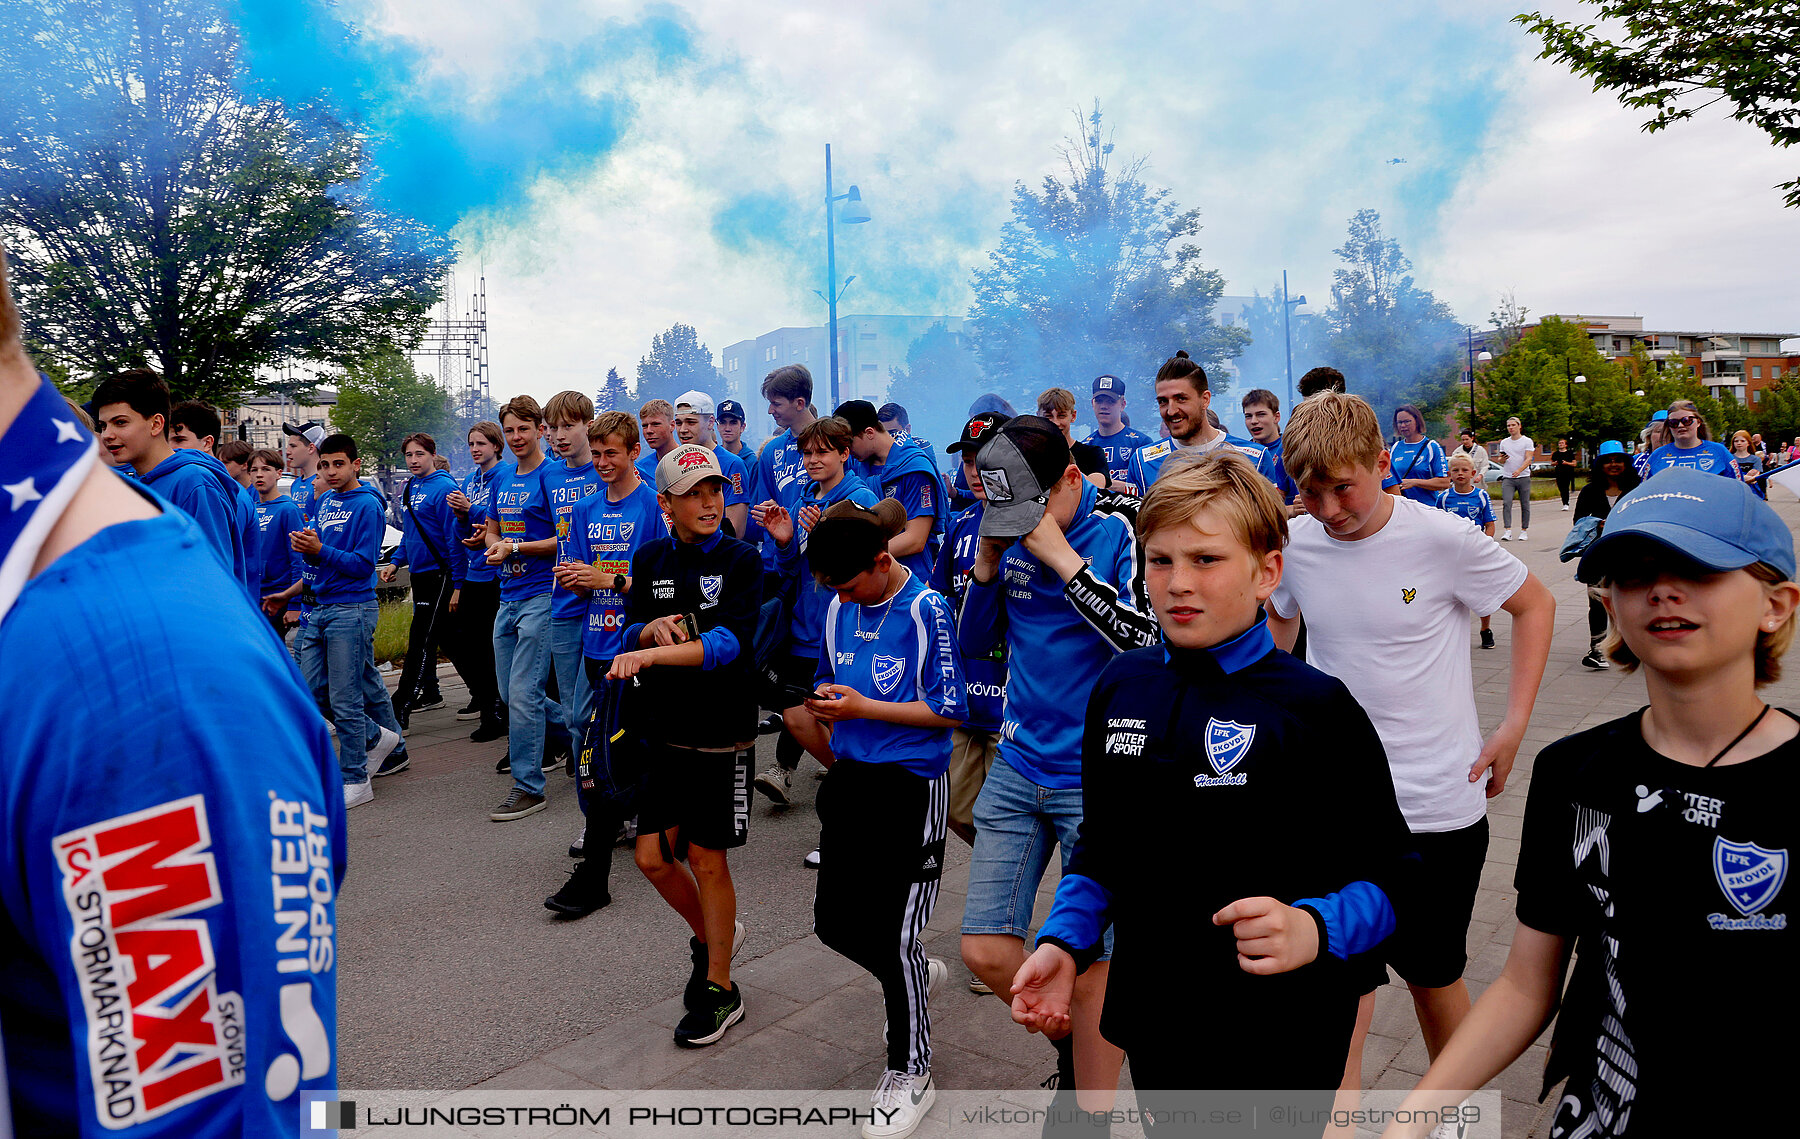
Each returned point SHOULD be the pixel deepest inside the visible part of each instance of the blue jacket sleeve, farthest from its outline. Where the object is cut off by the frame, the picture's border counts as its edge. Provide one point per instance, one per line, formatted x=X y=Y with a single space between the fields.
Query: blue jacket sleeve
x=1354 y=920
x=444 y=521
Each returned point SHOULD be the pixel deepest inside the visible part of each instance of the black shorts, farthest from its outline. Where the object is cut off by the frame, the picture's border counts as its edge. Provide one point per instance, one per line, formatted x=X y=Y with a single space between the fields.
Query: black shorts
x=1431 y=947
x=705 y=794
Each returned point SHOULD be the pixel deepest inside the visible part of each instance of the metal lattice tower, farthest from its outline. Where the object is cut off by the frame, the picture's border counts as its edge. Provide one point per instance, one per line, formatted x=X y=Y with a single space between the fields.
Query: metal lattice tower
x=457 y=341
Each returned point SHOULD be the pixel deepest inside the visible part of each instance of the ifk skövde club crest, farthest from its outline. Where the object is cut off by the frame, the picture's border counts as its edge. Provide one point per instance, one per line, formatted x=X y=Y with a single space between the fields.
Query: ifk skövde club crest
x=711 y=585
x=888 y=671
x=1750 y=875
x=1227 y=743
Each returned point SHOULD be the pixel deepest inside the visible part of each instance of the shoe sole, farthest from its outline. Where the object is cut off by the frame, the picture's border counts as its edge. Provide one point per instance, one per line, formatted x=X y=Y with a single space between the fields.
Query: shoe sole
x=429 y=707
x=578 y=851
x=574 y=912
x=925 y=1106
x=772 y=790
x=465 y=716
x=349 y=805
x=509 y=816
x=732 y=1018
x=405 y=762
x=977 y=985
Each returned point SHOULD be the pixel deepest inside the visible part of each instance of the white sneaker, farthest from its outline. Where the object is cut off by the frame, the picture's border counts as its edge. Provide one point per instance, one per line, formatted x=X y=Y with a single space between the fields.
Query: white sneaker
x=384 y=745
x=1506 y=535
x=738 y=933
x=936 y=969
x=1565 y=506
x=776 y=783
x=811 y=861
x=977 y=985
x=356 y=794
x=901 y=1101
x=1524 y=537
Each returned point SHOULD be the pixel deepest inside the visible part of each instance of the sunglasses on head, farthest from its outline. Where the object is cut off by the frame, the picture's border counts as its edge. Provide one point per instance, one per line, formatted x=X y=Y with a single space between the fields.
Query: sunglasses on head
x=1683 y=421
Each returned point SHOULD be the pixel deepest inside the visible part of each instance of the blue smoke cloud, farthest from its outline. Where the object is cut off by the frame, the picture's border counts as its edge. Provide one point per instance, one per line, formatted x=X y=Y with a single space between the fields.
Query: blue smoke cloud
x=444 y=151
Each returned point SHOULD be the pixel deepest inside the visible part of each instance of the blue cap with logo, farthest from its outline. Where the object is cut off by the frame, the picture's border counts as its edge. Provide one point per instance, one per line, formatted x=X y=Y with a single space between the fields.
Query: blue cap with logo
x=1718 y=523
x=1611 y=447
x=730 y=409
x=1109 y=385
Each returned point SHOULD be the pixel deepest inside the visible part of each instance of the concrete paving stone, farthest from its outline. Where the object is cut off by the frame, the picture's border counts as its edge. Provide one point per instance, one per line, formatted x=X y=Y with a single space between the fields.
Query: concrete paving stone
x=960 y=1068
x=1411 y=1058
x=1394 y=1012
x=1505 y=826
x=1496 y=906
x=627 y=1057
x=1480 y=933
x=1379 y=1052
x=802 y=971
x=776 y=1058
x=848 y=1016
x=1524 y=1076
x=532 y=1075
x=1486 y=965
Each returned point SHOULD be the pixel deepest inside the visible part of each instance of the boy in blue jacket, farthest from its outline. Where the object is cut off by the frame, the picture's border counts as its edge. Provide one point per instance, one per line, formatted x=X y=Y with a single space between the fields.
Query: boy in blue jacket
x=339 y=552
x=430 y=531
x=1261 y=785
x=902 y=472
x=132 y=416
x=277 y=516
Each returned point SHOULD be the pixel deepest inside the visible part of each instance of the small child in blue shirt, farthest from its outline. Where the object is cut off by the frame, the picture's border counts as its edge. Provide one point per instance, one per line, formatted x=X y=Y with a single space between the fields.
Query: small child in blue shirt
x=1473 y=502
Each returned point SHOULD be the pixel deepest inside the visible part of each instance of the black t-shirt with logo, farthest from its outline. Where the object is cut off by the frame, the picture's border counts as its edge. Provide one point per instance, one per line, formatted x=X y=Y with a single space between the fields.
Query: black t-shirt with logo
x=1670 y=880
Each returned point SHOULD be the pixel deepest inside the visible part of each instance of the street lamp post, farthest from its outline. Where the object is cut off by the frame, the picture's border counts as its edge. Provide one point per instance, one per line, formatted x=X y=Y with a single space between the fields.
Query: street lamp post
x=1569 y=393
x=854 y=212
x=1483 y=358
x=1287 y=336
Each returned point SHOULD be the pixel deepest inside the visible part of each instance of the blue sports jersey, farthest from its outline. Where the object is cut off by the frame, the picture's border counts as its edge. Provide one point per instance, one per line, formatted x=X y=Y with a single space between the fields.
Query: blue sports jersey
x=808 y=615
x=168 y=910
x=350 y=526
x=1147 y=462
x=569 y=487
x=278 y=565
x=900 y=651
x=1708 y=456
x=521 y=506
x=737 y=477
x=302 y=491
x=1118 y=449
x=430 y=529
x=1422 y=460
x=477 y=488
x=1477 y=506
x=605 y=534
x=201 y=487
x=910 y=476
x=780 y=478
x=984 y=674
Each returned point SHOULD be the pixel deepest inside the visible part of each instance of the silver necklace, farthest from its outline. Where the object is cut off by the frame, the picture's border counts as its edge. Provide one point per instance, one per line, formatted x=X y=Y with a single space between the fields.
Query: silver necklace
x=889 y=602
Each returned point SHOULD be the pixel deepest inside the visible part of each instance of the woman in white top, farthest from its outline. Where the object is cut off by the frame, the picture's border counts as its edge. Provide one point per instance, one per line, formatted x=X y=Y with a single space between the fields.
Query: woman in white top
x=1516 y=451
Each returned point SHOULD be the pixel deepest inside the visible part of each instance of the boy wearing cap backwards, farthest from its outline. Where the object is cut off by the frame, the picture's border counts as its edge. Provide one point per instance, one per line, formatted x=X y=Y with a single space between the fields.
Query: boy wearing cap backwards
x=1473 y=502
x=1656 y=846
x=1058 y=579
x=694 y=801
x=892 y=679
x=1386 y=585
x=1193 y=753
x=694 y=424
x=1117 y=441
x=903 y=472
x=824 y=449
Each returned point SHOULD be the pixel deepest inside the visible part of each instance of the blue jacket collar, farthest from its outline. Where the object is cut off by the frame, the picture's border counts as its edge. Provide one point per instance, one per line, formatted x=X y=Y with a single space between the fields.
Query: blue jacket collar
x=1235 y=655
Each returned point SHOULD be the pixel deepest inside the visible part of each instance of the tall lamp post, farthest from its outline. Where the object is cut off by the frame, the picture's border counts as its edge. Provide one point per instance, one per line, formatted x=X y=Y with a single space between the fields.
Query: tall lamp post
x=1287 y=306
x=1573 y=379
x=1484 y=357
x=854 y=212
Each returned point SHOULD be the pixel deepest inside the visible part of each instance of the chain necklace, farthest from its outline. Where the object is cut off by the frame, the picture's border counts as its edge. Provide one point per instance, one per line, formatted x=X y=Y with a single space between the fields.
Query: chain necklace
x=888 y=601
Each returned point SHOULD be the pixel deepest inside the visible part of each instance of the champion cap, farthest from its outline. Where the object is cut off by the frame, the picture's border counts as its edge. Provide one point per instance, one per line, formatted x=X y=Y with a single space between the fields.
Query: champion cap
x=1018 y=469
x=684 y=468
x=1716 y=522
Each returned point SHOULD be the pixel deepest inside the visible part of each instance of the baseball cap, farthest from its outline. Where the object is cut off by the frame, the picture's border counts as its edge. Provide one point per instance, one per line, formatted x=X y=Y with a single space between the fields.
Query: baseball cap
x=309 y=431
x=696 y=401
x=977 y=431
x=1610 y=447
x=1660 y=415
x=859 y=414
x=685 y=468
x=1018 y=468
x=731 y=409
x=1717 y=522
x=1109 y=386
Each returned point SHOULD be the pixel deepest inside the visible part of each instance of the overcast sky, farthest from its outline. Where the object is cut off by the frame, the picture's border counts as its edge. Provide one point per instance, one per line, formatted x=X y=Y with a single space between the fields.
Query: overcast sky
x=617 y=167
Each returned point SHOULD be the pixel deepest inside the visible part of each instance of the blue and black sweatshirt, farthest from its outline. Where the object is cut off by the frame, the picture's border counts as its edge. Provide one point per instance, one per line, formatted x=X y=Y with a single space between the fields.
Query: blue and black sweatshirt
x=1209 y=776
x=350 y=525
x=200 y=487
x=430 y=529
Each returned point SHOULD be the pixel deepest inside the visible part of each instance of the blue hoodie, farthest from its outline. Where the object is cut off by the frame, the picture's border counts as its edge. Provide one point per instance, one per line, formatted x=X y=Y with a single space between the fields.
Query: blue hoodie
x=200 y=487
x=350 y=525
x=808 y=622
x=910 y=476
x=278 y=566
x=429 y=522
x=478 y=487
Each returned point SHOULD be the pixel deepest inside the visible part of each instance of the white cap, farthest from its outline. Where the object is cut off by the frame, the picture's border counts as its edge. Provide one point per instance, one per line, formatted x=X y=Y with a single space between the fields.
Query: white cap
x=697 y=401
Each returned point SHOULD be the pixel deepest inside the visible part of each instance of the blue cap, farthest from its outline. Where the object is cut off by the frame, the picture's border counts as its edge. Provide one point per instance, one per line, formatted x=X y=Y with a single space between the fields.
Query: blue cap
x=730 y=409
x=1717 y=522
x=1110 y=385
x=1659 y=416
x=1611 y=447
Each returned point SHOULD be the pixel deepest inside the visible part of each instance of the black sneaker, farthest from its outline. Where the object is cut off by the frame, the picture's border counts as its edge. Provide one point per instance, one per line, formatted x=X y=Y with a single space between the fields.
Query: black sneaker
x=769 y=724
x=504 y=766
x=519 y=803
x=697 y=982
x=468 y=712
x=1595 y=660
x=395 y=762
x=1487 y=638
x=429 y=703
x=582 y=894
x=717 y=1011
x=487 y=732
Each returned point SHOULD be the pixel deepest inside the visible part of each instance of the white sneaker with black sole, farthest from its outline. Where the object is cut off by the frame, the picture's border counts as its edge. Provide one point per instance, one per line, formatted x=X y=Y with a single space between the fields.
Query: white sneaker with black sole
x=811 y=861
x=1595 y=660
x=384 y=745
x=394 y=764
x=775 y=782
x=356 y=794
x=901 y=1101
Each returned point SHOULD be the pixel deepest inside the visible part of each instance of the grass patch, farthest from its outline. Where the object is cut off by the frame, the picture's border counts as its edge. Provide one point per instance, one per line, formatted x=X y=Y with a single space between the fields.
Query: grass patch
x=391 y=630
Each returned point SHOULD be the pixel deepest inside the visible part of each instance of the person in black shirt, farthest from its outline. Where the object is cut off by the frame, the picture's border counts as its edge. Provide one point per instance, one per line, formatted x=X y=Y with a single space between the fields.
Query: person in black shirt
x=692 y=608
x=1612 y=478
x=1564 y=463
x=1656 y=847
x=1058 y=406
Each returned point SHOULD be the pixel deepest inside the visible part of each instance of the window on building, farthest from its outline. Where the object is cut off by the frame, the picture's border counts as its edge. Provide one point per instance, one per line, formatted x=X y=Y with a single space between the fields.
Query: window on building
x=731 y=364
x=772 y=352
x=1775 y=372
x=1756 y=371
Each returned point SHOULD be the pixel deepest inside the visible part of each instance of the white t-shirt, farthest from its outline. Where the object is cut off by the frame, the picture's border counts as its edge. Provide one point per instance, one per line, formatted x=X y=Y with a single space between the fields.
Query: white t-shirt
x=1517 y=454
x=1389 y=616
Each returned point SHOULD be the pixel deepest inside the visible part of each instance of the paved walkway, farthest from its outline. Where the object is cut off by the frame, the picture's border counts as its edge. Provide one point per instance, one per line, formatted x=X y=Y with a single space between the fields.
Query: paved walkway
x=814 y=1020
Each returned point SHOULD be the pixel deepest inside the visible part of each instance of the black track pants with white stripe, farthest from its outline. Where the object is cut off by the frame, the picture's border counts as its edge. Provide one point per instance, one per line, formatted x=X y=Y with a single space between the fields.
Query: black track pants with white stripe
x=881 y=856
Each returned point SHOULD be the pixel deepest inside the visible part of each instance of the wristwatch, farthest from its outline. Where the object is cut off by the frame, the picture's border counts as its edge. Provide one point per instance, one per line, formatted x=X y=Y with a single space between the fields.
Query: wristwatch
x=515 y=552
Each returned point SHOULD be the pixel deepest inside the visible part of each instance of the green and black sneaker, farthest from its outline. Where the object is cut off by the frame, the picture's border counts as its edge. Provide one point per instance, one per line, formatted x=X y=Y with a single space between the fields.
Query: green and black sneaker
x=708 y=1017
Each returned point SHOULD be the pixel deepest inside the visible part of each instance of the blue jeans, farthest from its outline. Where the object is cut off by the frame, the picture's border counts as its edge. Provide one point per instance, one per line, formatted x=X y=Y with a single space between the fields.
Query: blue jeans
x=336 y=650
x=571 y=678
x=1016 y=824
x=521 y=666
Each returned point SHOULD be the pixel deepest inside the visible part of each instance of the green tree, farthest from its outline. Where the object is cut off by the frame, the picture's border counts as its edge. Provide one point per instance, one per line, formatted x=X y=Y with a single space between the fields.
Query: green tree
x=1096 y=272
x=1779 y=417
x=677 y=363
x=382 y=399
x=1534 y=380
x=1678 y=57
x=1264 y=362
x=157 y=216
x=1673 y=378
x=1394 y=341
x=613 y=395
x=938 y=382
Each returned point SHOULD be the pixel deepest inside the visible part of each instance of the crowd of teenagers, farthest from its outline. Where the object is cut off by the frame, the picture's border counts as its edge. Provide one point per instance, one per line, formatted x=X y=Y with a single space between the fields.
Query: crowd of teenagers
x=1095 y=656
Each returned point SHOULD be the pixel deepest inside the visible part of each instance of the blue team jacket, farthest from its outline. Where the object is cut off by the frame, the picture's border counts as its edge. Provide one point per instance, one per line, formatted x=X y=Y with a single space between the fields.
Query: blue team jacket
x=813 y=599
x=430 y=517
x=201 y=487
x=350 y=525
